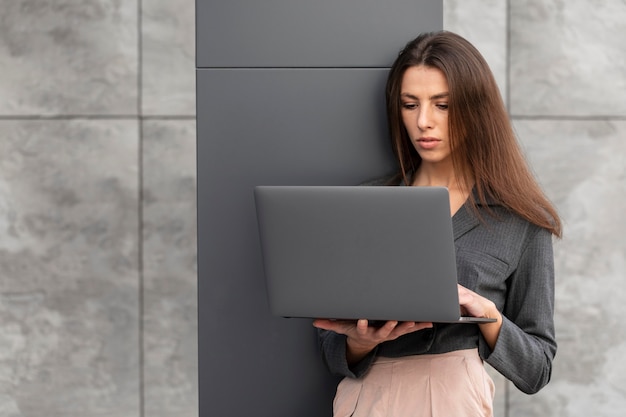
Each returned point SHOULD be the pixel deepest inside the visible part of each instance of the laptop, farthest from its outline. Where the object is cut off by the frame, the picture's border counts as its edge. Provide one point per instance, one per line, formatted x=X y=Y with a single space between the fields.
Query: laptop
x=359 y=252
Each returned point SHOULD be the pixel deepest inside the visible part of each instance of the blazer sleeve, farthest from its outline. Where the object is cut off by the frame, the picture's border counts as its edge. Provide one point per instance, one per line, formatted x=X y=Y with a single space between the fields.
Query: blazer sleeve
x=333 y=349
x=526 y=344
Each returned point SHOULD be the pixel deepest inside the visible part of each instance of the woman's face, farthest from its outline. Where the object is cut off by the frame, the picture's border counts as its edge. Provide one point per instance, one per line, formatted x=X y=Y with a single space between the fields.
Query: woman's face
x=424 y=104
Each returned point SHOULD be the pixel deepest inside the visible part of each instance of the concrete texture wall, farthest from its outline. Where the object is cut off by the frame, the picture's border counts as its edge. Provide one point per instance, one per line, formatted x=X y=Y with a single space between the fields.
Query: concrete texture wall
x=97 y=208
x=97 y=198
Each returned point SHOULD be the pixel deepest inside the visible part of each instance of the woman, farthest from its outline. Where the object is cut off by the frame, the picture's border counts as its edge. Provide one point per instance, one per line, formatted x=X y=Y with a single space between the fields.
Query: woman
x=449 y=127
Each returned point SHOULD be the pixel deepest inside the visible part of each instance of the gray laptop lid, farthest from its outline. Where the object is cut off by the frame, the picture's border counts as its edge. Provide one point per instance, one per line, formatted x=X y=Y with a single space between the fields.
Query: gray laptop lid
x=343 y=252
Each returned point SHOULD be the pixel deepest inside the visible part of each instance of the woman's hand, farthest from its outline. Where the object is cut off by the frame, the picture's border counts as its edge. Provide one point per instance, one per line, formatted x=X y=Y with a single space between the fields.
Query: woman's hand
x=362 y=338
x=476 y=305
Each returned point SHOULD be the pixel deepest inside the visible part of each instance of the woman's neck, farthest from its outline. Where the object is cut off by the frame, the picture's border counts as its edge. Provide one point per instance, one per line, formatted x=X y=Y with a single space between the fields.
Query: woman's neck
x=428 y=175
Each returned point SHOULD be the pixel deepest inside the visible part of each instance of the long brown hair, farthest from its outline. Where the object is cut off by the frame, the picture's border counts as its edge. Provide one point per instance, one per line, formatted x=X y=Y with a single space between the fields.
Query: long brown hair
x=485 y=150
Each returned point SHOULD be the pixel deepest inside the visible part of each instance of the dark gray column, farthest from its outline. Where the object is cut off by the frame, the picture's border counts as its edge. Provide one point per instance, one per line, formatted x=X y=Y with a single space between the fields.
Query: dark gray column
x=288 y=92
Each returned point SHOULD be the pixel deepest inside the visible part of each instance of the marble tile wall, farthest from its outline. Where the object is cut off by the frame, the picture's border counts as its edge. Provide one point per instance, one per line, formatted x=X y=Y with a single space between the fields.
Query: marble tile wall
x=69 y=268
x=169 y=267
x=70 y=57
x=567 y=58
x=97 y=198
x=97 y=209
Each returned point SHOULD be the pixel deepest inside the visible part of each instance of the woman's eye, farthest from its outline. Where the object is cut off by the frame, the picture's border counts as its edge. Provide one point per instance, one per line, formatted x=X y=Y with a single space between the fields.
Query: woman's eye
x=443 y=106
x=409 y=106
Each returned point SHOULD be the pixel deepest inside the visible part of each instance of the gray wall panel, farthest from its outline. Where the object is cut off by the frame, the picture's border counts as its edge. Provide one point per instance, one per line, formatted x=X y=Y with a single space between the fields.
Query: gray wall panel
x=304 y=33
x=294 y=125
x=273 y=131
x=277 y=104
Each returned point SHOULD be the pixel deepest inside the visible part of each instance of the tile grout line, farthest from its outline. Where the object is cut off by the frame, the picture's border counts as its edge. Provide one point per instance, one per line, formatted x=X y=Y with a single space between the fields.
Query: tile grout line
x=97 y=117
x=286 y=68
x=571 y=118
x=163 y=117
x=140 y=248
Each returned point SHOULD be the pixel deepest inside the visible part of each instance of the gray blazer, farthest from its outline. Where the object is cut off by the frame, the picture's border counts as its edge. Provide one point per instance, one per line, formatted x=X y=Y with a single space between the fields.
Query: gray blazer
x=507 y=260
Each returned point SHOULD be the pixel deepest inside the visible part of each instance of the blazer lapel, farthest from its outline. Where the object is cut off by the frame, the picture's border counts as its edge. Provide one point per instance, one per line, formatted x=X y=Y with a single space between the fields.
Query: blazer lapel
x=463 y=221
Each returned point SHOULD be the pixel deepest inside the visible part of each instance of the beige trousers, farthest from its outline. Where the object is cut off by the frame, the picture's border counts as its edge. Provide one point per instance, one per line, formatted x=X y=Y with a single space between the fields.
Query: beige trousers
x=453 y=384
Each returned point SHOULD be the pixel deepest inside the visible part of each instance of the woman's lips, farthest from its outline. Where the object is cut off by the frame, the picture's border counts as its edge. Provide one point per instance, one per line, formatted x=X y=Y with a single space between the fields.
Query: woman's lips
x=427 y=143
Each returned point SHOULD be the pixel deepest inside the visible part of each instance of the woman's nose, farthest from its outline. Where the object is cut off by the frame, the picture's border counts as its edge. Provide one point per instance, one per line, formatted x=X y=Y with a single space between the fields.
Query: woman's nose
x=424 y=119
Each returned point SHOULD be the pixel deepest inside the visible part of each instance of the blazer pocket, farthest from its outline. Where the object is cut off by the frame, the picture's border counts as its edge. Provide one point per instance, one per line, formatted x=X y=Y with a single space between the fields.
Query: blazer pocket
x=476 y=268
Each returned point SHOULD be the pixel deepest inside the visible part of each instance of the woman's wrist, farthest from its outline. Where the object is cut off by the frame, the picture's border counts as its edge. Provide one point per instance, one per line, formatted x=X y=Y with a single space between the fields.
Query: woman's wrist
x=355 y=352
x=491 y=331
